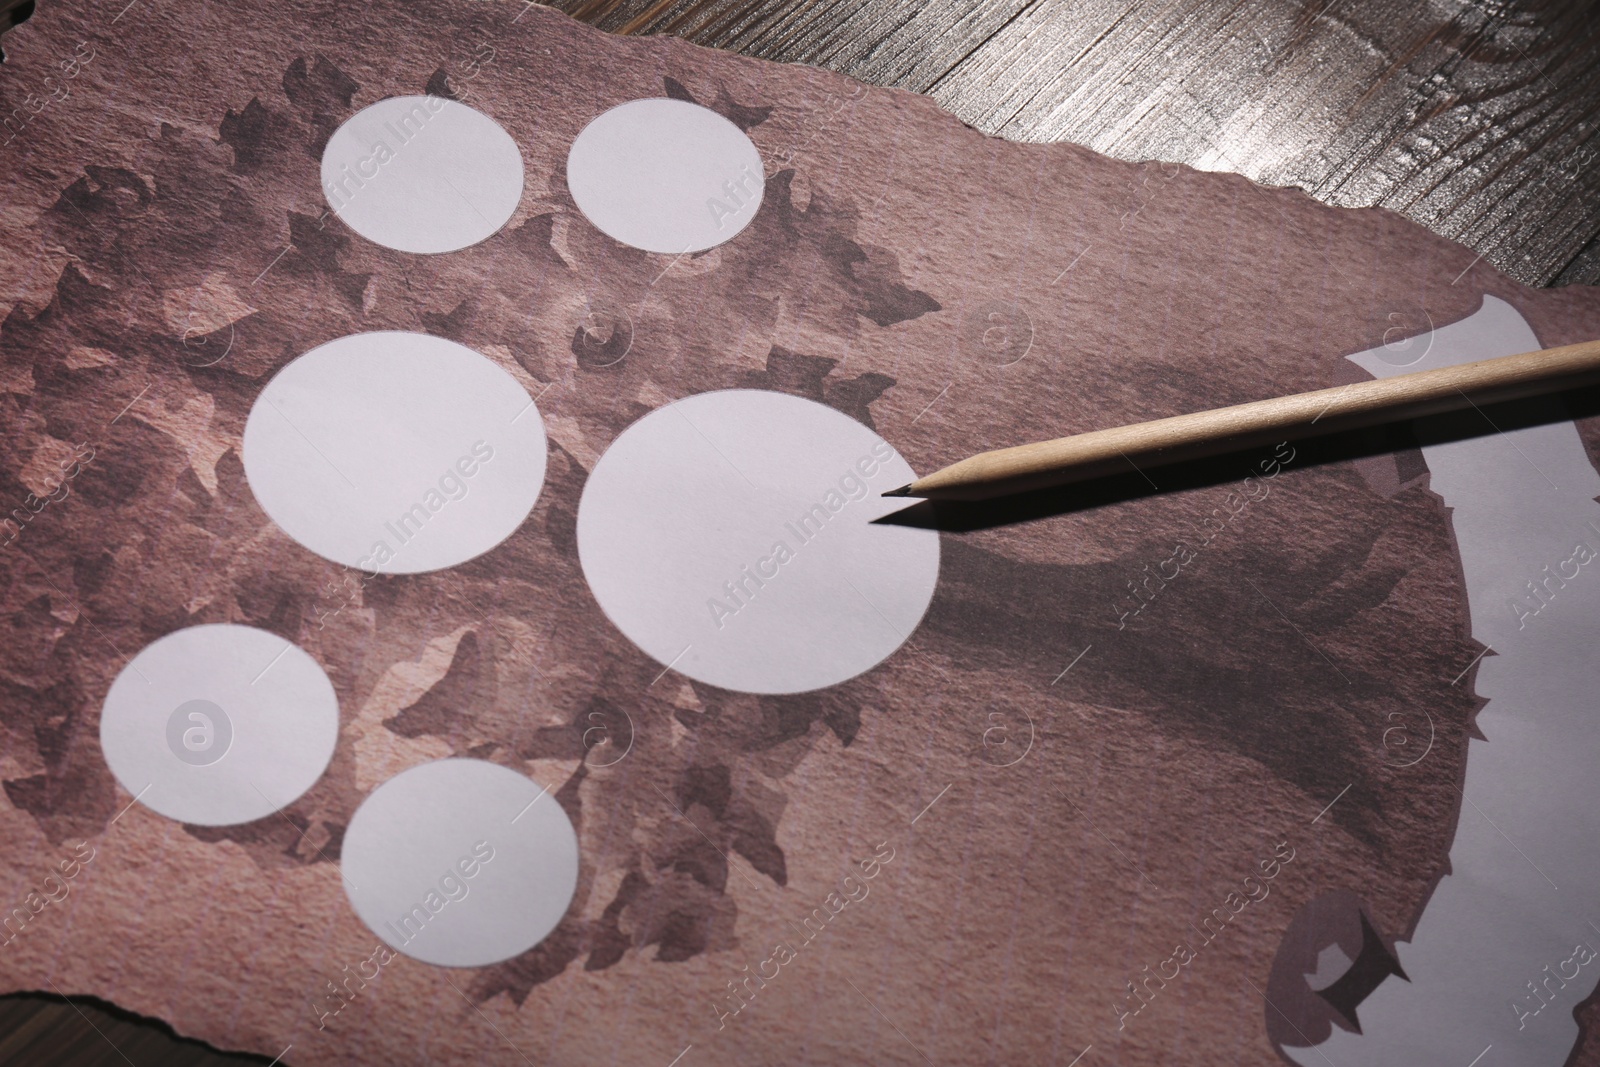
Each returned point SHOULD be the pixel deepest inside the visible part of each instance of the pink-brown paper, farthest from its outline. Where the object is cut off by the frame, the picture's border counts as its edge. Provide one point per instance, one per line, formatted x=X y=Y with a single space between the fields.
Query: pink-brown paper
x=1072 y=763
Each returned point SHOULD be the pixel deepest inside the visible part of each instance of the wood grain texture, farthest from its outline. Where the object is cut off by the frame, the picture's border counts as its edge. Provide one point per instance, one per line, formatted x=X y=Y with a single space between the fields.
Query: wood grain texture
x=41 y=1031
x=13 y=13
x=1478 y=119
x=1209 y=433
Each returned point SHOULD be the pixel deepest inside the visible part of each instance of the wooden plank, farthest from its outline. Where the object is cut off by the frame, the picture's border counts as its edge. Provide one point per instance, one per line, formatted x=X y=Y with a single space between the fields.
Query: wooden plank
x=1482 y=122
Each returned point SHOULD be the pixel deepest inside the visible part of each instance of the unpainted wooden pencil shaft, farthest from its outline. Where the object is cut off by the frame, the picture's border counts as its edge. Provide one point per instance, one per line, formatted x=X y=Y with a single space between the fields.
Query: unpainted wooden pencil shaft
x=1208 y=433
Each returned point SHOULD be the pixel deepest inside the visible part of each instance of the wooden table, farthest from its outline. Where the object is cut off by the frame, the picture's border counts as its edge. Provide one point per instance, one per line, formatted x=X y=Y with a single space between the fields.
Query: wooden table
x=1483 y=126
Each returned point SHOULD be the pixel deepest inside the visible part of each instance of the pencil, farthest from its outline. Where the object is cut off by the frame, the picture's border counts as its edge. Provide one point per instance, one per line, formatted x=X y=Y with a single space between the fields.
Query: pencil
x=1208 y=433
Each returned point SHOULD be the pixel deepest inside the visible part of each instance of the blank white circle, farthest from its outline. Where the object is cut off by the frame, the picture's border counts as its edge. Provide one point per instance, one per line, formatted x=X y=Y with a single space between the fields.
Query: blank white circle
x=680 y=528
x=422 y=174
x=665 y=176
x=460 y=862
x=279 y=706
x=395 y=452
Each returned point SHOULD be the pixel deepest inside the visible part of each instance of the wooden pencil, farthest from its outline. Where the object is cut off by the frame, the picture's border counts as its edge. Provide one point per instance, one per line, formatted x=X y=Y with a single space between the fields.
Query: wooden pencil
x=1200 y=434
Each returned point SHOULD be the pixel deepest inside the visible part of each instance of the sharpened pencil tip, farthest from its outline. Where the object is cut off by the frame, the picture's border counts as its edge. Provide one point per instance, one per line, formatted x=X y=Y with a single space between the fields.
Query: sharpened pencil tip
x=904 y=490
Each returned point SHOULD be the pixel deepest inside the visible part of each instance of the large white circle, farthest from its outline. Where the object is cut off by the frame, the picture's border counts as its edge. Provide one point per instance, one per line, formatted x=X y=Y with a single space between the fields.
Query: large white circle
x=422 y=174
x=665 y=176
x=460 y=862
x=220 y=724
x=395 y=452
x=680 y=528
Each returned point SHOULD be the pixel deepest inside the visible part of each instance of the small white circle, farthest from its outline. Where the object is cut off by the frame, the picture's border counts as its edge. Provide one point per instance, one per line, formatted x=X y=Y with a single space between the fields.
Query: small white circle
x=422 y=174
x=1006 y=739
x=395 y=452
x=460 y=862
x=1409 y=347
x=666 y=176
x=259 y=721
x=199 y=732
x=730 y=536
